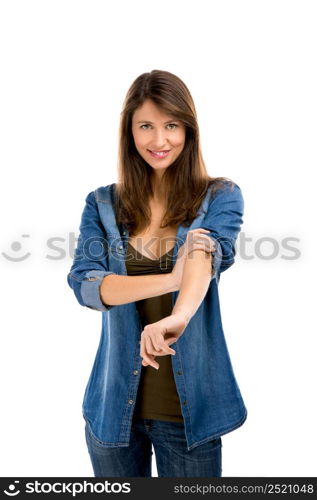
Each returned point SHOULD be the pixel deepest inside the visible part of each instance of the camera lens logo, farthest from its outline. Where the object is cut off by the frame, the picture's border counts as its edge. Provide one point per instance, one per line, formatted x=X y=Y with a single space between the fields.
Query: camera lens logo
x=13 y=492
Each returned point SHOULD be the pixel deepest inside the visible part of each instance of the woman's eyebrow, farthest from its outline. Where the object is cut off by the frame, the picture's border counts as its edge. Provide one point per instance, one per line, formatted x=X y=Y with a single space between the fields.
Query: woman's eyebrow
x=148 y=121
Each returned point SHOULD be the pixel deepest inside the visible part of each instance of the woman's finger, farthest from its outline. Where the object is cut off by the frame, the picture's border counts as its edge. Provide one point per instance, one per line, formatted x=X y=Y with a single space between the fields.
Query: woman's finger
x=163 y=345
x=155 y=342
x=203 y=239
x=145 y=356
x=148 y=345
x=199 y=229
x=151 y=345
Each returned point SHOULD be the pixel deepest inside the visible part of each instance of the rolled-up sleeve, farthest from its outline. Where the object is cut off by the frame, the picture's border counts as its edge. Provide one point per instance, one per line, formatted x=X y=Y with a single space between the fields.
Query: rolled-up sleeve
x=90 y=258
x=223 y=220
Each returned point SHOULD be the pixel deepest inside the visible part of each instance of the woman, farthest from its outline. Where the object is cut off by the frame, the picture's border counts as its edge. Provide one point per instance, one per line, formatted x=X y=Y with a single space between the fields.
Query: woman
x=149 y=256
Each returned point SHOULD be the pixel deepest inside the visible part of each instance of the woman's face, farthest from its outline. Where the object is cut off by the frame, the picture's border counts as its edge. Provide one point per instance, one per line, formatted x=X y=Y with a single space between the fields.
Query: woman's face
x=154 y=131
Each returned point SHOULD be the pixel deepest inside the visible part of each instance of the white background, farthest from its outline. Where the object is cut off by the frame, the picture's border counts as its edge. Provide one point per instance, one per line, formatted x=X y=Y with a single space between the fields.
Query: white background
x=65 y=69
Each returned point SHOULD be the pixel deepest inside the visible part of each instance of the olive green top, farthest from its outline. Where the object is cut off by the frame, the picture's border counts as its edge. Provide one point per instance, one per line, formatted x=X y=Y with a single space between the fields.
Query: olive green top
x=157 y=396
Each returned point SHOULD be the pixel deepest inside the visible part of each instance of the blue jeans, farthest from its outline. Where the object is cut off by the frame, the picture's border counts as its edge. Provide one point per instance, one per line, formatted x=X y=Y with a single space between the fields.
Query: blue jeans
x=172 y=457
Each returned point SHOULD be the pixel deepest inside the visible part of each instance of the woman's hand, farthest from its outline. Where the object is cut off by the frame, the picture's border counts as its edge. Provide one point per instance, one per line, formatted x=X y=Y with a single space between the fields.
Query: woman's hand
x=157 y=337
x=196 y=239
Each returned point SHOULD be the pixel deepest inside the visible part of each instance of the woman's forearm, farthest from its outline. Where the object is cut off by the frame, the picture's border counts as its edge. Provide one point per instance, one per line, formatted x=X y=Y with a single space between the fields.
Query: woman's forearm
x=117 y=289
x=195 y=283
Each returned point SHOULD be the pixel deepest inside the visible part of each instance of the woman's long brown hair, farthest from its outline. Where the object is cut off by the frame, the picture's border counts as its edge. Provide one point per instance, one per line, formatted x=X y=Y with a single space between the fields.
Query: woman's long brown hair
x=186 y=180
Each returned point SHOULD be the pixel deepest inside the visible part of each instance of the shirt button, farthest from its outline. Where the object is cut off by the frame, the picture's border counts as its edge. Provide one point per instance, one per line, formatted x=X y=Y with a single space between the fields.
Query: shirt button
x=131 y=401
x=185 y=402
x=135 y=372
x=179 y=373
x=120 y=247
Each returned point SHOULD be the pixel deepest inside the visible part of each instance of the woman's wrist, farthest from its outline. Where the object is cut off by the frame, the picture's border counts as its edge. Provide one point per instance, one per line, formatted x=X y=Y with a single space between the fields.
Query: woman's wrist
x=171 y=281
x=182 y=314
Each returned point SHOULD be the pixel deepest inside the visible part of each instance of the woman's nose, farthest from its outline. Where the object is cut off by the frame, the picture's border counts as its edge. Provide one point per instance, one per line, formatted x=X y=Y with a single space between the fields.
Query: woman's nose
x=159 y=139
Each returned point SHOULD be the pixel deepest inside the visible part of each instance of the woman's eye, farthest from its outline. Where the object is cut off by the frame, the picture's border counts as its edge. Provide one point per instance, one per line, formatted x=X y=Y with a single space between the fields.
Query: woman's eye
x=174 y=125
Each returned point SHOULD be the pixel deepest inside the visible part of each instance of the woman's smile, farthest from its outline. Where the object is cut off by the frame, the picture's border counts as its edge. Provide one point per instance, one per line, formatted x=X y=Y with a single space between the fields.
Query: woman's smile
x=159 y=154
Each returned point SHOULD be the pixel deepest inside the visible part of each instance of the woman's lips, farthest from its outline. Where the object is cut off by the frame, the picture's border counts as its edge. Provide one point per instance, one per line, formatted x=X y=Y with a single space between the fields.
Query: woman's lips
x=160 y=155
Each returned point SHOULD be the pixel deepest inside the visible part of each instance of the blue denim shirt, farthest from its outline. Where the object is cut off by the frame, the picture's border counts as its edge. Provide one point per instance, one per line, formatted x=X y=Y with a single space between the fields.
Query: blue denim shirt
x=210 y=398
